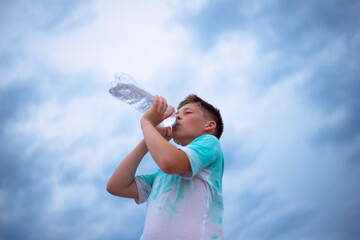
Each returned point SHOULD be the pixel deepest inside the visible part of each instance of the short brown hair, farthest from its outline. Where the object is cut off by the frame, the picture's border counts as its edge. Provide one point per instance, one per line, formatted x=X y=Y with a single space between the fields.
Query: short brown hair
x=206 y=107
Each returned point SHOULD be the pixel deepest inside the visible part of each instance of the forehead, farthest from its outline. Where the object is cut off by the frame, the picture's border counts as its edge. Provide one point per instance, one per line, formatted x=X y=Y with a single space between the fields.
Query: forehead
x=192 y=106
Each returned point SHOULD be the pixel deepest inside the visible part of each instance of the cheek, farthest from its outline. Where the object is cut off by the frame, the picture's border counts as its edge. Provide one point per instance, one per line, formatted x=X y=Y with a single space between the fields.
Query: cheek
x=193 y=122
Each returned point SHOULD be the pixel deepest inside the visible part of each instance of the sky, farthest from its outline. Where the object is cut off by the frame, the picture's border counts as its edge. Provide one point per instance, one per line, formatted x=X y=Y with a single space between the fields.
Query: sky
x=284 y=74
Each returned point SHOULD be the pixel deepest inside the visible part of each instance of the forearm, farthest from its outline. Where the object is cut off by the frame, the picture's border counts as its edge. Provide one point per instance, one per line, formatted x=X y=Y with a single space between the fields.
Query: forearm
x=169 y=158
x=124 y=174
x=163 y=152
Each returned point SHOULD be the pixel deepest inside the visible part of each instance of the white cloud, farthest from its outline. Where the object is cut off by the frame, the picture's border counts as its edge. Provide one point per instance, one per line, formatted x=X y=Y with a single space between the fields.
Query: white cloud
x=67 y=121
x=129 y=37
x=190 y=6
x=74 y=196
x=89 y=134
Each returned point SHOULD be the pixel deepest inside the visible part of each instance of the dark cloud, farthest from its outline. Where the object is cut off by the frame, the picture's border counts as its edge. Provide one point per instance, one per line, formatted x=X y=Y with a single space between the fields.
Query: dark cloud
x=27 y=192
x=295 y=29
x=282 y=226
x=236 y=154
x=24 y=193
x=215 y=18
x=261 y=217
x=334 y=88
x=321 y=37
x=355 y=156
x=299 y=31
x=247 y=203
x=14 y=101
x=282 y=24
x=28 y=163
x=6 y=60
x=19 y=21
x=335 y=84
x=25 y=170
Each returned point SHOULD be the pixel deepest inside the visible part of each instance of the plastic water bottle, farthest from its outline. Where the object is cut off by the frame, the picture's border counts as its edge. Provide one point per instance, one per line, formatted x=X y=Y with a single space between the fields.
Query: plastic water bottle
x=127 y=90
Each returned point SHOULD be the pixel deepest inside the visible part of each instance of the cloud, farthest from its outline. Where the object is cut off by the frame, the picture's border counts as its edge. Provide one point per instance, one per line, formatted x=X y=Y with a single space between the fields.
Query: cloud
x=55 y=164
x=282 y=73
x=295 y=106
x=335 y=92
x=317 y=38
x=290 y=24
x=58 y=149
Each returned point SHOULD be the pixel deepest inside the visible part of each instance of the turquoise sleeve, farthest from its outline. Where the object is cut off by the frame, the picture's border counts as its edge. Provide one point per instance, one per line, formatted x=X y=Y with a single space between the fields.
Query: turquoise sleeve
x=202 y=153
x=144 y=184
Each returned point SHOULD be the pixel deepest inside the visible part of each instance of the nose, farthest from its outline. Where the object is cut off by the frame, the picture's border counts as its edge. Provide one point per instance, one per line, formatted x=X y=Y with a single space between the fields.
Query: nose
x=178 y=117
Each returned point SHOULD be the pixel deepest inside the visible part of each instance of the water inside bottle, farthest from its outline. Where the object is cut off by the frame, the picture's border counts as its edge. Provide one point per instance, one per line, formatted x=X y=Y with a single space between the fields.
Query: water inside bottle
x=170 y=121
x=125 y=88
x=132 y=95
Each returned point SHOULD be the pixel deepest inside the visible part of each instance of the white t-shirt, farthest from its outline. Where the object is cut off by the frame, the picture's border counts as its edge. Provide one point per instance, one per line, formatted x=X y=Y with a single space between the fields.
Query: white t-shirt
x=187 y=206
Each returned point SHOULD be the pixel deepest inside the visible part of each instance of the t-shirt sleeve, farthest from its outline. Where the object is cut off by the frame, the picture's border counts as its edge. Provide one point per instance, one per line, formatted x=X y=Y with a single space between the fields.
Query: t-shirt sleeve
x=202 y=152
x=144 y=184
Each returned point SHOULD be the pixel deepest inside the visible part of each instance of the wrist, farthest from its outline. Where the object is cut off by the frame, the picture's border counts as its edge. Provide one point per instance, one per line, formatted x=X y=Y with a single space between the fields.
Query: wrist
x=144 y=123
x=143 y=144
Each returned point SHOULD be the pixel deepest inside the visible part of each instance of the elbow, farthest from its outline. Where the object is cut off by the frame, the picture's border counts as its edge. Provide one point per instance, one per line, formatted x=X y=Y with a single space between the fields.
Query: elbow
x=112 y=190
x=166 y=170
x=109 y=188
x=167 y=167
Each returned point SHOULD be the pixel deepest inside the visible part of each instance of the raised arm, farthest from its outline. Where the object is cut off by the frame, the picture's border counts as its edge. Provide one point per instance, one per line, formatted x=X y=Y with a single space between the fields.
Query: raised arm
x=169 y=158
x=122 y=181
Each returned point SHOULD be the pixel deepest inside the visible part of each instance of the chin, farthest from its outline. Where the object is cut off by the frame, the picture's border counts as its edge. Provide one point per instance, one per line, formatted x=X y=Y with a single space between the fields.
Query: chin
x=177 y=140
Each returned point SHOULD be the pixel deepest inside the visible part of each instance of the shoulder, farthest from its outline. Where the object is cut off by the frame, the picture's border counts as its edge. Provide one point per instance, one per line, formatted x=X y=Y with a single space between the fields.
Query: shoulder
x=205 y=141
x=204 y=144
x=205 y=138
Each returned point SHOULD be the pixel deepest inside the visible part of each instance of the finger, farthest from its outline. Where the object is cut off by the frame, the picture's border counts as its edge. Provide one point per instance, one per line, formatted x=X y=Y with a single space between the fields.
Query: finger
x=168 y=133
x=163 y=105
x=166 y=105
x=160 y=104
x=155 y=101
x=169 y=112
x=158 y=128
x=161 y=130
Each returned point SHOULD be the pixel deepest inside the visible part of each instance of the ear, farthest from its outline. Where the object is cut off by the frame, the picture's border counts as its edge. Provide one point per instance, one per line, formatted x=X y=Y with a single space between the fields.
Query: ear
x=210 y=125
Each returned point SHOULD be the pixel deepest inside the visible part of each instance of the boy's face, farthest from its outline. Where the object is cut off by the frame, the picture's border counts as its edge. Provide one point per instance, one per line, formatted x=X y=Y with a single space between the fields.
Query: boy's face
x=191 y=124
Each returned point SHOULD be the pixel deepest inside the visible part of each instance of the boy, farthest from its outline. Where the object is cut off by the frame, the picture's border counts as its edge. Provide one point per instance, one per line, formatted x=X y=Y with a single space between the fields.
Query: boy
x=184 y=197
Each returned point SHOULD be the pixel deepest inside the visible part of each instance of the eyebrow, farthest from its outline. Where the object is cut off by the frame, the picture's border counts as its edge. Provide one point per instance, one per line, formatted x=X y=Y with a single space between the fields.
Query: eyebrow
x=184 y=109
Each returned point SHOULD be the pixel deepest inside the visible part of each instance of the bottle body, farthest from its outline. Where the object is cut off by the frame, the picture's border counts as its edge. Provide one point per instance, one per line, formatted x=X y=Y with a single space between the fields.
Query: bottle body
x=126 y=89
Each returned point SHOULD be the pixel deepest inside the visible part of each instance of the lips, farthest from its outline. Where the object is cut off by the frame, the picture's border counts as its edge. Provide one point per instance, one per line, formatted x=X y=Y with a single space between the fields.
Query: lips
x=176 y=126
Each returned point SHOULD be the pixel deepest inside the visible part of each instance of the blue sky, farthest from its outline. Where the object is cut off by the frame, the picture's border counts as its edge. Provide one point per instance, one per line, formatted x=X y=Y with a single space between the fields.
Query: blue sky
x=285 y=75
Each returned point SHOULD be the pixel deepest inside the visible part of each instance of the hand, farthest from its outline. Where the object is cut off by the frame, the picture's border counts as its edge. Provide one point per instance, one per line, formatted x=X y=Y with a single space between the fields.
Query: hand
x=158 y=112
x=166 y=132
